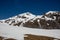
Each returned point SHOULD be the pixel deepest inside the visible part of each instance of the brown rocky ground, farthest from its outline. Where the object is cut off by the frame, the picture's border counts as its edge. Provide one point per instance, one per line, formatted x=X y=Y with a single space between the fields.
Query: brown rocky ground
x=35 y=37
x=2 y=38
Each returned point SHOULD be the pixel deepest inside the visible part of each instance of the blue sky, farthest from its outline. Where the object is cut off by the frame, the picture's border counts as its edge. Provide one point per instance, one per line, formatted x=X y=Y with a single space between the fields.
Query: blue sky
x=10 y=8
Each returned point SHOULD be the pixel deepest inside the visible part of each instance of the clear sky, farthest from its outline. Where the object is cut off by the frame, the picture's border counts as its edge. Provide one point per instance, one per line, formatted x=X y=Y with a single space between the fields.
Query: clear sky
x=10 y=8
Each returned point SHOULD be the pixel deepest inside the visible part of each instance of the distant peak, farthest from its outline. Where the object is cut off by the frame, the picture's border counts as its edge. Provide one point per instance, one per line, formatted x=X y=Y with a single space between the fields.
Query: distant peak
x=51 y=12
x=26 y=13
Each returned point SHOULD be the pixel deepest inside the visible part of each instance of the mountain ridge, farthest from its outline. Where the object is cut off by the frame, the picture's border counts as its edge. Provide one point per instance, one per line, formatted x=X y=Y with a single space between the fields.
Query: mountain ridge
x=50 y=20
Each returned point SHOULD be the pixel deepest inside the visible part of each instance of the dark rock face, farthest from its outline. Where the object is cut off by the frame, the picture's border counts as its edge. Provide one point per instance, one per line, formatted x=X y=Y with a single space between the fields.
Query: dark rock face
x=17 y=24
x=30 y=24
x=43 y=23
x=1 y=38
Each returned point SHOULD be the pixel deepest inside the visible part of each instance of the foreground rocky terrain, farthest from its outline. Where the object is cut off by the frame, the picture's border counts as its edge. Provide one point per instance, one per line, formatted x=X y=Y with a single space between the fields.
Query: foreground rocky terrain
x=35 y=37
x=32 y=37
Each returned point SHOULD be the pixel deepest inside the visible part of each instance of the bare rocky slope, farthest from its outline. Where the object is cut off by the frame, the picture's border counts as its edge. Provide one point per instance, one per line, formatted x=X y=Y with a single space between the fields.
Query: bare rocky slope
x=49 y=20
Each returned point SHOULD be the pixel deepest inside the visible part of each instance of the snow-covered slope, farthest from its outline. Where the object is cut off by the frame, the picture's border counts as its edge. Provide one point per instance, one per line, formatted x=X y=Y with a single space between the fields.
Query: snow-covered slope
x=18 y=32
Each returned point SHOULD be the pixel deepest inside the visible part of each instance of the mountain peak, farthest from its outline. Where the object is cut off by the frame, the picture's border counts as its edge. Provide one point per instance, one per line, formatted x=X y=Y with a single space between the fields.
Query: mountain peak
x=26 y=13
x=51 y=12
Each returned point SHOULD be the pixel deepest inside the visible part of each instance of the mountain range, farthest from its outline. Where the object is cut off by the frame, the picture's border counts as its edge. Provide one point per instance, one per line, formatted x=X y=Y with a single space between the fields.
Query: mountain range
x=49 y=20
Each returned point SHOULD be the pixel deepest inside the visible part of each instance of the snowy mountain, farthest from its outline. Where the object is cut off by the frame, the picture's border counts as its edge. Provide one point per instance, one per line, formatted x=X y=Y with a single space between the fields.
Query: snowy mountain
x=49 y=20
x=16 y=27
